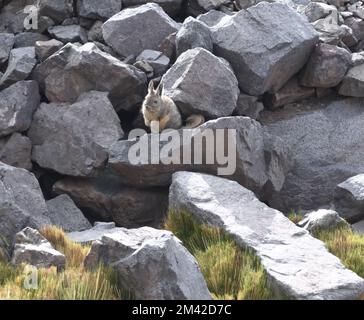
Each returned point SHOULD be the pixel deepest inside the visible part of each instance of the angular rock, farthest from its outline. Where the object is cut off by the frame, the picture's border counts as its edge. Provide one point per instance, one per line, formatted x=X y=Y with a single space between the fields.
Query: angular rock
x=193 y=34
x=260 y=163
x=349 y=198
x=71 y=33
x=74 y=70
x=99 y=230
x=168 y=46
x=17 y=104
x=353 y=82
x=16 y=151
x=171 y=7
x=106 y=198
x=156 y=59
x=196 y=7
x=151 y=263
x=95 y=33
x=298 y=265
x=95 y=9
x=33 y=249
x=291 y=92
x=201 y=83
x=318 y=10
x=273 y=34
x=7 y=42
x=248 y=106
x=212 y=17
x=79 y=132
x=326 y=139
x=147 y=23
x=21 y=63
x=348 y=39
x=357 y=25
x=357 y=58
x=28 y=39
x=44 y=49
x=326 y=67
x=58 y=10
x=63 y=213
x=22 y=204
x=322 y=219
x=329 y=30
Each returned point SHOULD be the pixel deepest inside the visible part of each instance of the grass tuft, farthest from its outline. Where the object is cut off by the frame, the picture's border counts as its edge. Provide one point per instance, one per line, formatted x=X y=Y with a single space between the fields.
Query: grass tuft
x=295 y=217
x=347 y=245
x=230 y=272
x=74 y=283
x=74 y=252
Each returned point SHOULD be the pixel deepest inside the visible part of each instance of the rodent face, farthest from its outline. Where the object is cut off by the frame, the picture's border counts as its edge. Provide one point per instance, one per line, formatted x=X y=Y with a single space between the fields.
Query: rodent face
x=152 y=103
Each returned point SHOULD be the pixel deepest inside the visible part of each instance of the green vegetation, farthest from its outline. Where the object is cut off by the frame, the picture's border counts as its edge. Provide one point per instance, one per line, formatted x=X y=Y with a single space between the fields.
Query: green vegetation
x=347 y=245
x=230 y=272
x=295 y=217
x=74 y=283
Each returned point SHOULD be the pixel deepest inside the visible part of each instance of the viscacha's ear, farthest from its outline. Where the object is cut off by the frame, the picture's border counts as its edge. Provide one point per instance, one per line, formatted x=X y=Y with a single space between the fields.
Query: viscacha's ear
x=160 y=89
x=151 y=86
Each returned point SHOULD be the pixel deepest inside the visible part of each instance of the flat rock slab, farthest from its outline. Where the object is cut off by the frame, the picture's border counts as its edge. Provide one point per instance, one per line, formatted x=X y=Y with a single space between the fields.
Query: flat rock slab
x=99 y=230
x=298 y=265
x=256 y=160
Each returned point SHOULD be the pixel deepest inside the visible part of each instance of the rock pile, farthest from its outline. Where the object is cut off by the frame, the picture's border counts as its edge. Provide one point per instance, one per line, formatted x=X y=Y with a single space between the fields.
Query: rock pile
x=284 y=98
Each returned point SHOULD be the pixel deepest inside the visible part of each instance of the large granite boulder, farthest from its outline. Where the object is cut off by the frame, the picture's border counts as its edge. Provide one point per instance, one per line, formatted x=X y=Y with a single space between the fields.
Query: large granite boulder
x=31 y=248
x=349 y=198
x=277 y=43
x=22 y=204
x=106 y=198
x=73 y=70
x=326 y=141
x=150 y=263
x=73 y=139
x=298 y=265
x=148 y=23
x=257 y=160
x=17 y=104
x=201 y=83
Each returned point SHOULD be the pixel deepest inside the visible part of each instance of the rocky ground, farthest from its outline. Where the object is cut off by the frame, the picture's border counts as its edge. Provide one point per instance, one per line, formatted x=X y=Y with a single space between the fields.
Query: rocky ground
x=287 y=75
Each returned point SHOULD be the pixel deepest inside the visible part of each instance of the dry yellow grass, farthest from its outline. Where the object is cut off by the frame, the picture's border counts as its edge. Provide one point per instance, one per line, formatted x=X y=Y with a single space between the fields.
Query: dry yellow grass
x=74 y=283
